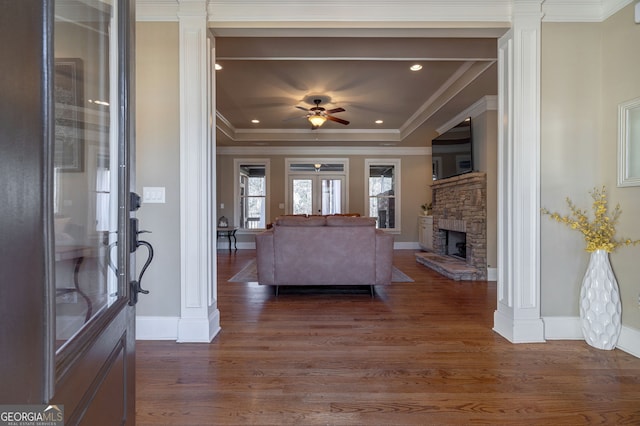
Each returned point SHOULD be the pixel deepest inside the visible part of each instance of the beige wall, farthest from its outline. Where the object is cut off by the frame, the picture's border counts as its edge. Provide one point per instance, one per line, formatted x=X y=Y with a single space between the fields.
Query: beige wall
x=415 y=174
x=485 y=159
x=587 y=69
x=157 y=163
x=621 y=76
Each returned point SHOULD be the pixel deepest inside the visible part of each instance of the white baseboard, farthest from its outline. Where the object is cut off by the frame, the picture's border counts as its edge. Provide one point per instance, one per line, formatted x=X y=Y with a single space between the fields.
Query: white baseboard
x=156 y=328
x=629 y=341
x=568 y=328
x=406 y=245
x=199 y=330
x=492 y=274
x=241 y=246
x=562 y=328
x=167 y=328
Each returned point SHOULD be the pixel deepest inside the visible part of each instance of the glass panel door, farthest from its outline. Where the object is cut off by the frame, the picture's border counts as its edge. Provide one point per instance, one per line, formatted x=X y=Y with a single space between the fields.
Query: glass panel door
x=85 y=186
x=317 y=194
x=331 y=195
x=302 y=195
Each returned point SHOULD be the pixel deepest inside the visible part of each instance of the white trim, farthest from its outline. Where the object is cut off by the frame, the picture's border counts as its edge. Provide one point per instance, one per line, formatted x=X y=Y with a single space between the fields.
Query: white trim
x=406 y=245
x=199 y=330
x=492 y=274
x=624 y=140
x=322 y=150
x=562 y=328
x=266 y=162
x=629 y=341
x=409 y=15
x=482 y=105
x=517 y=316
x=461 y=79
x=581 y=10
x=156 y=328
x=199 y=317
x=569 y=328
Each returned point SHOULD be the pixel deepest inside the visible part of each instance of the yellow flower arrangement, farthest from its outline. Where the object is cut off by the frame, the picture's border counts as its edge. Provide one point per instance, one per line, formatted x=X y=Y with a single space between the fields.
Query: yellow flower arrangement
x=599 y=234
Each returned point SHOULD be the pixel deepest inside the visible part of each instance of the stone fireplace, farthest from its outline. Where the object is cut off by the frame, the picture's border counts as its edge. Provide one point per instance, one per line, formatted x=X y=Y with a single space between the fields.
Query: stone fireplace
x=459 y=227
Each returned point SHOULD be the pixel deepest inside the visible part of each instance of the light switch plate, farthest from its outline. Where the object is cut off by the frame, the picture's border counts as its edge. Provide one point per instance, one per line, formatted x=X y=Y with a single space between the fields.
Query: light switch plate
x=153 y=194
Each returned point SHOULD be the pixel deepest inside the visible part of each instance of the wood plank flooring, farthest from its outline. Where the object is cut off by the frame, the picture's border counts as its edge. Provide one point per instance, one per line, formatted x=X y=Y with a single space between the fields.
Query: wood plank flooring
x=420 y=353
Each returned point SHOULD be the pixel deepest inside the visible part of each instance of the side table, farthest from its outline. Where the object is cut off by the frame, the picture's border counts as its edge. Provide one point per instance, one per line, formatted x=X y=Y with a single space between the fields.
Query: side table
x=229 y=233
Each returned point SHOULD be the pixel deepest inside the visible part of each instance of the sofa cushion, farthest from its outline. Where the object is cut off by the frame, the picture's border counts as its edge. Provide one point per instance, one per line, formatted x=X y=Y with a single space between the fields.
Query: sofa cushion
x=301 y=221
x=350 y=221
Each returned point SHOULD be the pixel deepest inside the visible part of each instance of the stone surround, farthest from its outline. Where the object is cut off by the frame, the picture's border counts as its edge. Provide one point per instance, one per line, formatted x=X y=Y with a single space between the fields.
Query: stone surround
x=459 y=204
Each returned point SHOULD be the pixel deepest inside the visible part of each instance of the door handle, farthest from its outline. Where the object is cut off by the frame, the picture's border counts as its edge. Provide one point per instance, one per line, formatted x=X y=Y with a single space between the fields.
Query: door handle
x=135 y=286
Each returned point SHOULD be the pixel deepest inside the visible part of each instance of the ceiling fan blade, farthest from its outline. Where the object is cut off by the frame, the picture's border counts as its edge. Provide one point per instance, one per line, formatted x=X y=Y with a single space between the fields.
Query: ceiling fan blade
x=302 y=108
x=331 y=111
x=337 y=120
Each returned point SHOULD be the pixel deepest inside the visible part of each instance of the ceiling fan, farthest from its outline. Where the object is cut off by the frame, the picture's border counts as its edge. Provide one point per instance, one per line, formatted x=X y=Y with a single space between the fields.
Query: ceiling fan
x=318 y=115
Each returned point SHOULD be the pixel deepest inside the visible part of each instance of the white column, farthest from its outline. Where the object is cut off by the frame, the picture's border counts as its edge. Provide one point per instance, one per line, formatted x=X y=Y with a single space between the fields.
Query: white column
x=199 y=315
x=518 y=315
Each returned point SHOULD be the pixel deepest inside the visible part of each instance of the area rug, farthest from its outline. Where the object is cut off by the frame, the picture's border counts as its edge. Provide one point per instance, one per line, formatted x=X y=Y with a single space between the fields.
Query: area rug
x=250 y=274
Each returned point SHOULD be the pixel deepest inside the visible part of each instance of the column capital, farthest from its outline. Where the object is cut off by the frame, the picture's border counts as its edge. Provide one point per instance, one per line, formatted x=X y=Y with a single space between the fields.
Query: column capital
x=192 y=8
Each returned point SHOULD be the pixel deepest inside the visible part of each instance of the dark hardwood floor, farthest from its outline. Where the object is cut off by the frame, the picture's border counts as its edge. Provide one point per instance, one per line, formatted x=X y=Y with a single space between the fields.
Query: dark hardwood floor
x=420 y=353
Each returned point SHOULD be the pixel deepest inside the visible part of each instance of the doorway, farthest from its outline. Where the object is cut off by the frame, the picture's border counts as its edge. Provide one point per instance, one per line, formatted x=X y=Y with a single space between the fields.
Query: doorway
x=317 y=187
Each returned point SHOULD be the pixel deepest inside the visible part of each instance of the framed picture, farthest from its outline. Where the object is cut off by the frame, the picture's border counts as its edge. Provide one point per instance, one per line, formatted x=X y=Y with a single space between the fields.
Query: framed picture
x=629 y=143
x=69 y=104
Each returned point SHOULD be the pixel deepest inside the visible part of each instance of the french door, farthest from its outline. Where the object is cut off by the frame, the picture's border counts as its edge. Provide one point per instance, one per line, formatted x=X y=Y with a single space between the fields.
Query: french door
x=316 y=194
x=68 y=336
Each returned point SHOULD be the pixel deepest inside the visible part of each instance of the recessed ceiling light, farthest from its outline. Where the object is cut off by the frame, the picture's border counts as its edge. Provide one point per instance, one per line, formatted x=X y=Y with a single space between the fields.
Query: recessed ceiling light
x=379 y=121
x=254 y=121
x=416 y=67
x=218 y=67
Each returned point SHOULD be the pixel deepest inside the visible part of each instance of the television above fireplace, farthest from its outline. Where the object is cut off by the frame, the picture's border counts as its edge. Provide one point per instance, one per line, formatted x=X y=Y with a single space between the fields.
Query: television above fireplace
x=452 y=151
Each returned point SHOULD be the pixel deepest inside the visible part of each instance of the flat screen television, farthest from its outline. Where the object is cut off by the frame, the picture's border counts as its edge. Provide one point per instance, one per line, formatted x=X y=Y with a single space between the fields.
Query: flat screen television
x=452 y=151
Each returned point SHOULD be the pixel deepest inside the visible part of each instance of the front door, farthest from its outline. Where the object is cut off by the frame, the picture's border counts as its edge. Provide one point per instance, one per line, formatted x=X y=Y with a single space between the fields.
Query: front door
x=77 y=353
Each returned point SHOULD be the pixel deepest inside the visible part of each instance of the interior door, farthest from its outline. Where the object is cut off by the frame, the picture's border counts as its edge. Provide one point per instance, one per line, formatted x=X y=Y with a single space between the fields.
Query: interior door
x=316 y=194
x=70 y=154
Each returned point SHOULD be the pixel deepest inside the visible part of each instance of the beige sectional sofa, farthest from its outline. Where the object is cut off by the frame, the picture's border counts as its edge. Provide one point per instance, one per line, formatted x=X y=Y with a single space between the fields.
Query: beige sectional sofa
x=319 y=250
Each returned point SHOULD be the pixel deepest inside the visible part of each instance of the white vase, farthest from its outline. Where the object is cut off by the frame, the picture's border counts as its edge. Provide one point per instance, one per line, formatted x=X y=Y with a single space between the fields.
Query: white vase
x=600 y=308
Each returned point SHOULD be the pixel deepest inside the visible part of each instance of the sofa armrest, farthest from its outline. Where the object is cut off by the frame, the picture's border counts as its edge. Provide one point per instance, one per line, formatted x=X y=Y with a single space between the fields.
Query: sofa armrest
x=384 y=257
x=265 y=257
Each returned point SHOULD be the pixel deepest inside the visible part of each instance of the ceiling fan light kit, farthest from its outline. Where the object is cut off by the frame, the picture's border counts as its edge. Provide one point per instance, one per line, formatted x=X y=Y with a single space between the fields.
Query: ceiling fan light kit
x=318 y=115
x=317 y=120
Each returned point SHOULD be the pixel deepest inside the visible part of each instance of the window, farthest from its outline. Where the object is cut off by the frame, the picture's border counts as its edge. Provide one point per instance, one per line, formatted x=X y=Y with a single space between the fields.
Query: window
x=383 y=192
x=251 y=191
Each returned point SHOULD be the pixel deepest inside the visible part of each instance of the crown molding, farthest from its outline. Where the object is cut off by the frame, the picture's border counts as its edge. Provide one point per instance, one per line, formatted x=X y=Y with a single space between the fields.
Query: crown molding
x=302 y=135
x=482 y=105
x=581 y=10
x=323 y=150
x=400 y=13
